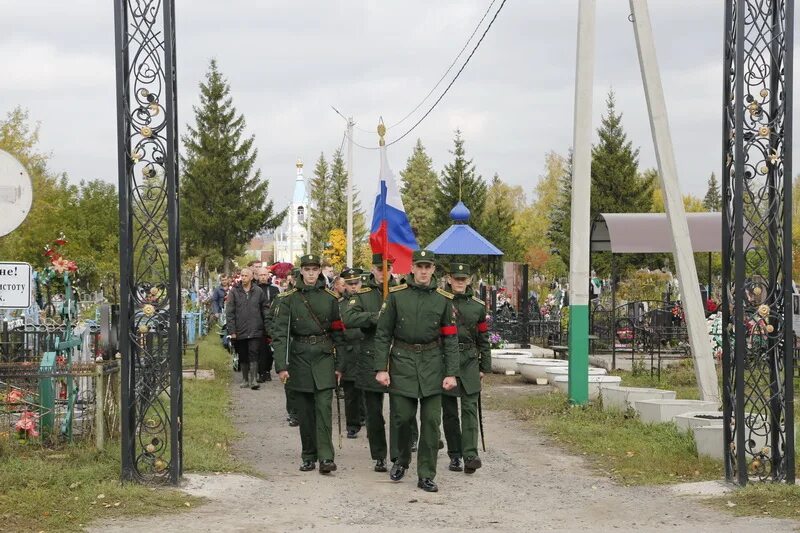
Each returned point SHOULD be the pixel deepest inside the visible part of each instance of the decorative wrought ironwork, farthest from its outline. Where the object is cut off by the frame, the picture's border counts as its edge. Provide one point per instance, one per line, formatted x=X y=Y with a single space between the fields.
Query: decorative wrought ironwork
x=757 y=258
x=149 y=241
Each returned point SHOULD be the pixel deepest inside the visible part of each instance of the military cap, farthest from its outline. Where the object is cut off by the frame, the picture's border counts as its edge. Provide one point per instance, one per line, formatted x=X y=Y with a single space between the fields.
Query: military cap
x=364 y=277
x=377 y=259
x=310 y=260
x=460 y=270
x=295 y=272
x=423 y=256
x=351 y=274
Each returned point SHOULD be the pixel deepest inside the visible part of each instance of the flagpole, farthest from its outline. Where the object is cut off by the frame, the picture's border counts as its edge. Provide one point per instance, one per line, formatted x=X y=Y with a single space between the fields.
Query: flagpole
x=385 y=254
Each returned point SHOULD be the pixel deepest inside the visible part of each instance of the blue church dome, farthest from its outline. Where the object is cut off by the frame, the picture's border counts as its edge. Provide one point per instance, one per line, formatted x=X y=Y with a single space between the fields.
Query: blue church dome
x=460 y=213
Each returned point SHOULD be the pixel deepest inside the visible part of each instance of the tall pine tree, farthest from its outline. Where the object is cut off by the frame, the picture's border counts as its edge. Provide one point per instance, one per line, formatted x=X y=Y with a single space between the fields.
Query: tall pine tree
x=713 y=198
x=617 y=186
x=224 y=201
x=338 y=203
x=498 y=218
x=320 y=203
x=560 y=221
x=459 y=181
x=418 y=180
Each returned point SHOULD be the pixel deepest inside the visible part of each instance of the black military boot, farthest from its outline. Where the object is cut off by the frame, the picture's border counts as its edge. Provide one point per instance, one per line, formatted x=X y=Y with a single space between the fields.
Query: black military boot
x=245 y=375
x=427 y=484
x=455 y=464
x=327 y=466
x=471 y=464
x=397 y=472
x=307 y=466
x=253 y=377
x=380 y=465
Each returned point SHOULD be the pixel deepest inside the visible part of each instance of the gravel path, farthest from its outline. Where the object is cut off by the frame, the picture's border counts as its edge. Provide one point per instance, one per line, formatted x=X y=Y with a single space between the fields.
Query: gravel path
x=525 y=485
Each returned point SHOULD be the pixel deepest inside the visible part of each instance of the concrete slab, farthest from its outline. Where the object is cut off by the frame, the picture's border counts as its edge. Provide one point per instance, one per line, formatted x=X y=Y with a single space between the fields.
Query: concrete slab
x=689 y=421
x=562 y=384
x=709 y=441
x=662 y=410
x=621 y=398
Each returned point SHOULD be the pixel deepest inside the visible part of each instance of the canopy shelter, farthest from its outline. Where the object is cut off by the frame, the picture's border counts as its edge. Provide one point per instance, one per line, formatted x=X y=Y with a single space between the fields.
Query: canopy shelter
x=462 y=239
x=649 y=233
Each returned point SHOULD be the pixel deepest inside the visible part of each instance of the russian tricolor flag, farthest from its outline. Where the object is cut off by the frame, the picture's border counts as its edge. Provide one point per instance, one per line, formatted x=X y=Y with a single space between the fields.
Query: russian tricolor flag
x=391 y=233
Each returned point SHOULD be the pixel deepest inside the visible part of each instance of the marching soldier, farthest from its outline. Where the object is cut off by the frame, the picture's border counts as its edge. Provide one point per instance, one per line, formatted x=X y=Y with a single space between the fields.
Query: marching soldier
x=361 y=311
x=416 y=356
x=348 y=354
x=476 y=353
x=307 y=329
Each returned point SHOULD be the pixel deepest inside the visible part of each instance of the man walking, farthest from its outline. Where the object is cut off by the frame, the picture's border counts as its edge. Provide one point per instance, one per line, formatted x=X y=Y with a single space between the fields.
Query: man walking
x=416 y=356
x=476 y=359
x=347 y=285
x=265 y=353
x=306 y=330
x=247 y=316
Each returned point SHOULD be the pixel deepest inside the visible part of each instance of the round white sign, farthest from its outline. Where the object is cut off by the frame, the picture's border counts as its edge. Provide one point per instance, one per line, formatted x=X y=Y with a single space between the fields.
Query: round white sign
x=16 y=193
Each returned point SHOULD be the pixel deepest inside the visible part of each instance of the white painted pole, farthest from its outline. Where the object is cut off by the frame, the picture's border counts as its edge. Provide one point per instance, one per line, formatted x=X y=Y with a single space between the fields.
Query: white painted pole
x=581 y=197
x=705 y=371
x=350 y=125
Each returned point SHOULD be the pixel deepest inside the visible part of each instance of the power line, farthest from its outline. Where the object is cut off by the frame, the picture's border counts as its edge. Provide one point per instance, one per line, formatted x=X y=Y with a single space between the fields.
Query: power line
x=446 y=72
x=477 y=45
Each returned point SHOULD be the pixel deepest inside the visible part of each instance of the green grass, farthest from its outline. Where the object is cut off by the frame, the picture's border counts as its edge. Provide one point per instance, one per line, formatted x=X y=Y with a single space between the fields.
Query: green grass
x=66 y=488
x=618 y=445
x=767 y=499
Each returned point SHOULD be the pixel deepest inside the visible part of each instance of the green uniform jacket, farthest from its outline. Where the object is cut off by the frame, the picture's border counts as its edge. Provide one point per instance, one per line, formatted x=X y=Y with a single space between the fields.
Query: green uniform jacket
x=473 y=343
x=311 y=366
x=349 y=350
x=421 y=315
x=361 y=311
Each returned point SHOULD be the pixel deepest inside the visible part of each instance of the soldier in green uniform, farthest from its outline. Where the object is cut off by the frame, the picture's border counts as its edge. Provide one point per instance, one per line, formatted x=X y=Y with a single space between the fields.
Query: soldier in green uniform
x=416 y=356
x=361 y=312
x=476 y=353
x=348 y=353
x=307 y=329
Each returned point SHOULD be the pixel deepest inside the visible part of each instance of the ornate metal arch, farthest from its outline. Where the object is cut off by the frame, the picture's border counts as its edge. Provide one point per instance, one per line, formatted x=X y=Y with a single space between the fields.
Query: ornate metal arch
x=150 y=309
x=757 y=241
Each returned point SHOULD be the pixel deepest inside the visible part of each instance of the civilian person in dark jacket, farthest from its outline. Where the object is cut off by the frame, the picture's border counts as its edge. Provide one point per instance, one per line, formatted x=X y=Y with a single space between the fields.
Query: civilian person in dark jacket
x=247 y=316
x=218 y=296
x=265 y=353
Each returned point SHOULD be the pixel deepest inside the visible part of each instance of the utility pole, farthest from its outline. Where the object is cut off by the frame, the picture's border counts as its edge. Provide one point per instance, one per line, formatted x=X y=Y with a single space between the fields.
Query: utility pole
x=704 y=368
x=350 y=125
x=581 y=196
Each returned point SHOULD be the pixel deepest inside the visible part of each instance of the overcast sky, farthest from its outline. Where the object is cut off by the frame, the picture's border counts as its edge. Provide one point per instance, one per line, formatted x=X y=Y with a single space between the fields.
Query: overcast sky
x=288 y=61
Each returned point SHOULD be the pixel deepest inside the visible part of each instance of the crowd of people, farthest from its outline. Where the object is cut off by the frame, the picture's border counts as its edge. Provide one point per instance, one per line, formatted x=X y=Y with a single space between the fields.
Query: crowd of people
x=424 y=343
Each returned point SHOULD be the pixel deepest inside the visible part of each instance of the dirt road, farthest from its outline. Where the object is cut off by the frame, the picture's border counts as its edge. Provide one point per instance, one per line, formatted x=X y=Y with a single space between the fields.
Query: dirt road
x=525 y=485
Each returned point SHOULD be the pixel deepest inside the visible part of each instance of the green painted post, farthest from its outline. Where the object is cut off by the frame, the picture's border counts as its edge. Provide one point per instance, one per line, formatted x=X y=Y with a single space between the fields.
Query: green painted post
x=579 y=354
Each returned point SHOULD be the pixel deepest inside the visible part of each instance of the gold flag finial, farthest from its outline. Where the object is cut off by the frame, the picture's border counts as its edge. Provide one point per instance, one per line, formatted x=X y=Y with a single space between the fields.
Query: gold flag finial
x=381 y=133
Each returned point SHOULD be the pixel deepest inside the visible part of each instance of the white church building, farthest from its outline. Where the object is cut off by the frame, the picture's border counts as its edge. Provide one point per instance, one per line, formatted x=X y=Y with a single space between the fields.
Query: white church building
x=291 y=236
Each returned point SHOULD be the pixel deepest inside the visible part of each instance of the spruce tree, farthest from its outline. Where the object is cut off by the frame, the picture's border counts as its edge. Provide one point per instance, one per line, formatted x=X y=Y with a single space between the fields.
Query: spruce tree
x=498 y=218
x=560 y=226
x=224 y=201
x=319 y=197
x=713 y=198
x=459 y=181
x=418 y=181
x=338 y=203
x=617 y=186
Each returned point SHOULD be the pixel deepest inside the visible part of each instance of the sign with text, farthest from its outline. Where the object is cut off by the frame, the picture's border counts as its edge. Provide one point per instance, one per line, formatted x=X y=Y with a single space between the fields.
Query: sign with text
x=15 y=285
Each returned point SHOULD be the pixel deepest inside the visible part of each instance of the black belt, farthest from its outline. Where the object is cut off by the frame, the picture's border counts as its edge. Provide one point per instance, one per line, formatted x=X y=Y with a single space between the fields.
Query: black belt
x=416 y=347
x=311 y=339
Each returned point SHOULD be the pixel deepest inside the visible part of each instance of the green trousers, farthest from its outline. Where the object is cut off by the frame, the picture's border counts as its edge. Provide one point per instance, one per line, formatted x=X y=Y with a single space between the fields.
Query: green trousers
x=291 y=409
x=394 y=454
x=403 y=414
x=376 y=424
x=353 y=405
x=314 y=414
x=462 y=439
